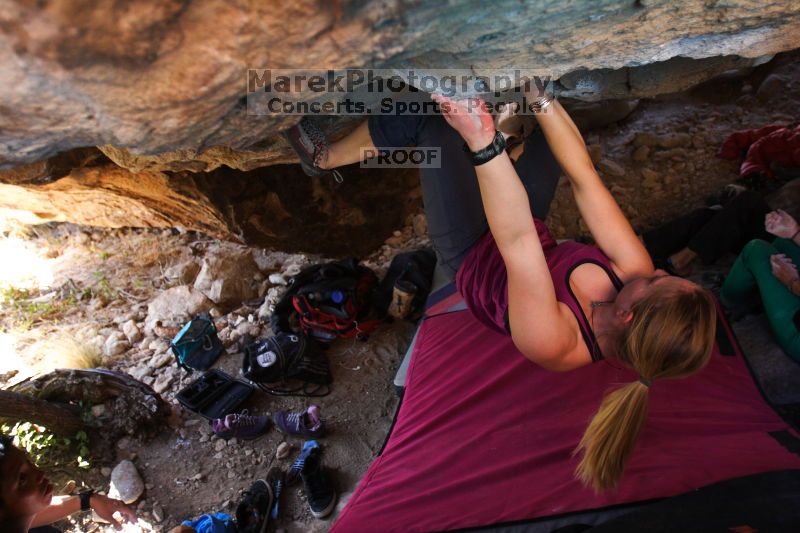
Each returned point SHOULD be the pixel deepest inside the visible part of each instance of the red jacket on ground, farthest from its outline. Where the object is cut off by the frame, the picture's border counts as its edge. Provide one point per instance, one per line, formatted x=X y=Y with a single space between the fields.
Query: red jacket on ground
x=767 y=145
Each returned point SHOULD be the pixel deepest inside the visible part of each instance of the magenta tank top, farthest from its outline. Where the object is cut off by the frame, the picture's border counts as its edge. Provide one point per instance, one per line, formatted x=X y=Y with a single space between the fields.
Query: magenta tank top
x=483 y=282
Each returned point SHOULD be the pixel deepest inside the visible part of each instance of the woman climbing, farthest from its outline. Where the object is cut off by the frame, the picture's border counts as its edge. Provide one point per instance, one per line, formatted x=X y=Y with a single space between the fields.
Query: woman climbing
x=564 y=305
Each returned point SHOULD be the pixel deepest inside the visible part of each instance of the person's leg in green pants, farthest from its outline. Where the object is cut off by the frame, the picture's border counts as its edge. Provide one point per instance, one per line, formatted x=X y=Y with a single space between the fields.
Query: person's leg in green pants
x=751 y=271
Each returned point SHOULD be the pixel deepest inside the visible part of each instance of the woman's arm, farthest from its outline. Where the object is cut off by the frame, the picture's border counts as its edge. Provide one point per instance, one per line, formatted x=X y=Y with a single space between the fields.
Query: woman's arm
x=605 y=220
x=540 y=329
x=63 y=506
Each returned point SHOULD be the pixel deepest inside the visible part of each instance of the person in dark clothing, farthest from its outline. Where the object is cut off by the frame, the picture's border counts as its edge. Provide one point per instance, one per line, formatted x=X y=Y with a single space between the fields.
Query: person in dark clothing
x=708 y=233
x=26 y=497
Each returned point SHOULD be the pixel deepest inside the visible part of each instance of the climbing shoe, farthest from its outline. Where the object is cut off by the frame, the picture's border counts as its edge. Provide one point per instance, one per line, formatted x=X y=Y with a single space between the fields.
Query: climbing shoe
x=311 y=146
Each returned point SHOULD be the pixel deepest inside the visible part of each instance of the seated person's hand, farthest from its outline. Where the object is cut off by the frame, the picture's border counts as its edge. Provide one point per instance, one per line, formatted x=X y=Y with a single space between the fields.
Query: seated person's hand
x=784 y=269
x=105 y=508
x=781 y=224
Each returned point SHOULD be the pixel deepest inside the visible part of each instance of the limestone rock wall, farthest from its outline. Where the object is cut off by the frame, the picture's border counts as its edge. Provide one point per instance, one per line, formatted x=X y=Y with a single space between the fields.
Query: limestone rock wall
x=167 y=76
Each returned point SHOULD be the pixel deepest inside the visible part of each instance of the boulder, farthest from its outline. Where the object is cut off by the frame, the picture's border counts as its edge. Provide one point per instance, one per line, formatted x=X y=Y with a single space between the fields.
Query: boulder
x=63 y=60
x=126 y=483
x=227 y=276
x=175 y=306
x=183 y=273
x=772 y=87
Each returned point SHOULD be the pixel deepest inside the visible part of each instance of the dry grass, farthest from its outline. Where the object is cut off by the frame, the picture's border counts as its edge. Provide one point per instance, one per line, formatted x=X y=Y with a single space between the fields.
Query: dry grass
x=64 y=351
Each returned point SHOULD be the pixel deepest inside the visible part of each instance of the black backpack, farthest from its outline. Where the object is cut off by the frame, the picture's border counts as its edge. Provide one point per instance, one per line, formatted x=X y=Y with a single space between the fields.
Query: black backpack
x=331 y=300
x=287 y=365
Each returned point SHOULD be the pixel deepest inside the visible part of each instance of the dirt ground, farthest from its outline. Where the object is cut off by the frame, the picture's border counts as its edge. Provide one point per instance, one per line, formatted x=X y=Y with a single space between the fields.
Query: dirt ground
x=187 y=471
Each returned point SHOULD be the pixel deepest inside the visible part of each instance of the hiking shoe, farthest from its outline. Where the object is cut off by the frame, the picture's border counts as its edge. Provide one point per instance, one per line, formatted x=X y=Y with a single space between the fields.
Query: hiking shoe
x=319 y=491
x=242 y=426
x=311 y=146
x=297 y=467
x=276 y=480
x=252 y=513
x=306 y=424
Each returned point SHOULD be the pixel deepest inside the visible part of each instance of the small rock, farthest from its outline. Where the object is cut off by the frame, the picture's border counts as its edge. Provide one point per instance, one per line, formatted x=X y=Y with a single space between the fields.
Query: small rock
x=98 y=410
x=641 y=154
x=115 y=344
x=162 y=383
x=595 y=152
x=394 y=241
x=124 y=443
x=197 y=477
x=277 y=279
x=158 y=513
x=610 y=168
x=126 y=483
x=204 y=438
x=645 y=139
x=140 y=372
x=159 y=345
x=161 y=360
x=105 y=471
x=220 y=445
x=649 y=174
x=283 y=451
x=674 y=141
x=773 y=86
x=420 y=225
x=131 y=332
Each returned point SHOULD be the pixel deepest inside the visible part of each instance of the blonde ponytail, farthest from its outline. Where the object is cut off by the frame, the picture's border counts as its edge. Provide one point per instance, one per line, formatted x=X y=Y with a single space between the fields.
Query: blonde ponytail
x=611 y=436
x=671 y=335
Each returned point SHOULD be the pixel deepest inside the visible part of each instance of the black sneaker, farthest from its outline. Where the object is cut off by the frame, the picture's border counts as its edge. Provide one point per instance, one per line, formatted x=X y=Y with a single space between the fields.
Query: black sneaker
x=319 y=492
x=311 y=146
x=275 y=479
x=252 y=513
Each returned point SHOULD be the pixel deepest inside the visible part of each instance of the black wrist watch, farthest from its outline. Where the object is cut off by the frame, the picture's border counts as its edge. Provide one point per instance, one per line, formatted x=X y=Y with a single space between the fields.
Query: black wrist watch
x=484 y=155
x=86 y=496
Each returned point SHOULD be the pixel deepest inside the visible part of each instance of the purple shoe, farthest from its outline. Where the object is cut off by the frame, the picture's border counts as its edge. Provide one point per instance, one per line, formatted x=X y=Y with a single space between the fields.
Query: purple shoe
x=307 y=424
x=242 y=426
x=311 y=146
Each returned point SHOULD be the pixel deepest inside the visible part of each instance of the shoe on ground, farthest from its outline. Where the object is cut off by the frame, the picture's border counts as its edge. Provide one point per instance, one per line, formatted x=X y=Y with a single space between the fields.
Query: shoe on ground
x=276 y=481
x=303 y=424
x=241 y=426
x=311 y=146
x=294 y=471
x=252 y=513
x=319 y=492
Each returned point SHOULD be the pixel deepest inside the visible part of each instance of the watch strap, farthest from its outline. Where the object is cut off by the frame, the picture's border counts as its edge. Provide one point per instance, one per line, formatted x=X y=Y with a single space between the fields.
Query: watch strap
x=484 y=155
x=85 y=498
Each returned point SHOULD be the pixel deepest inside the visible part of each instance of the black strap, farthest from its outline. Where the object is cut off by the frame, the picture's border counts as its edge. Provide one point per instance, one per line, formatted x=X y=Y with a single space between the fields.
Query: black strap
x=484 y=155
